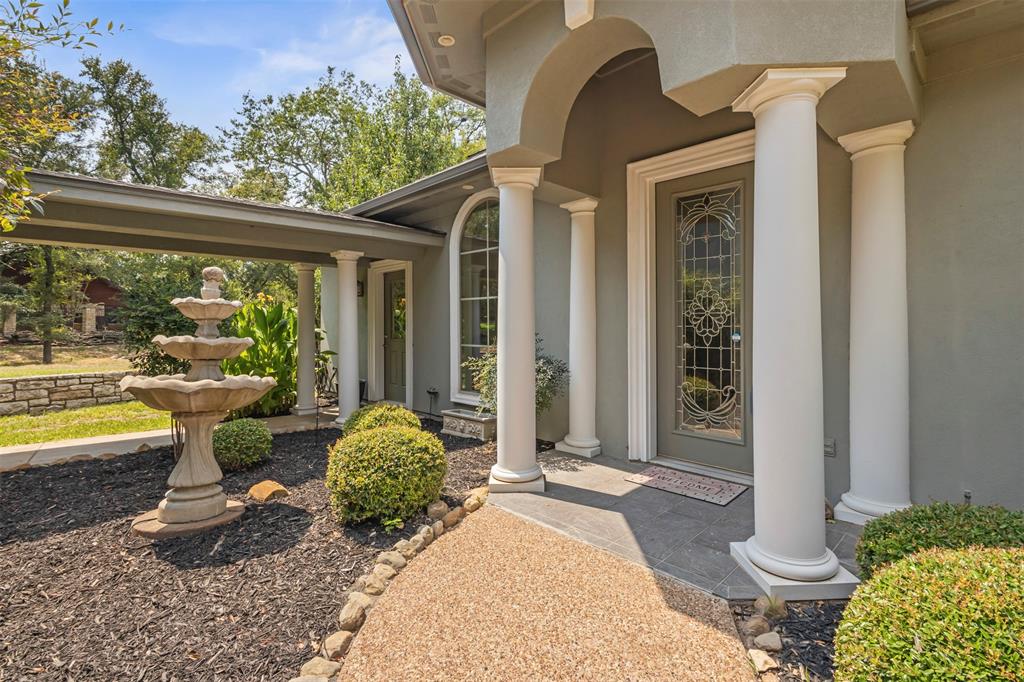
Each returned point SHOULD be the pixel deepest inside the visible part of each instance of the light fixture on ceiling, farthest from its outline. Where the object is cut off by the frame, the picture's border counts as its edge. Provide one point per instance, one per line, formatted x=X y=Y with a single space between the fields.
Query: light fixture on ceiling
x=467 y=187
x=446 y=40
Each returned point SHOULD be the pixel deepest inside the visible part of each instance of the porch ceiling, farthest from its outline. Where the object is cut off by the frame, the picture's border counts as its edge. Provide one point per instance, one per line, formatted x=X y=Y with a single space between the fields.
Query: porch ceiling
x=91 y=212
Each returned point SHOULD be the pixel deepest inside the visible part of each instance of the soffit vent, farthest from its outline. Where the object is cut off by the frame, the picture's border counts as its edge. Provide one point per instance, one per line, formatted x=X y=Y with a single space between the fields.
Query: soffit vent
x=442 y=61
x=429 y=14
x=459 y=84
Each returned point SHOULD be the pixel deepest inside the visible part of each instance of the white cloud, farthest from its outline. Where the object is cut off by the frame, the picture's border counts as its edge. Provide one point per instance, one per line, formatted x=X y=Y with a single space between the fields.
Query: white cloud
x=286 y=46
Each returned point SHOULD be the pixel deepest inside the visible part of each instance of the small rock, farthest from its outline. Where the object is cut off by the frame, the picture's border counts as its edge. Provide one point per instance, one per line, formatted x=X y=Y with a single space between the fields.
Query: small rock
x=384 y=572
x=762 y=661
x=393 y=559
x=756 y=625
x=480 y=492
x=416 y=544
x=438 y=529
x=405 y=548
x=320 y=666
x=372 y=585
x=770 y=607
x=427 y=533
x=437 y=510
x=354 y=612
x=265 y=491
x=471 y=504
x=769 y=641
x=337 y=644
x=453 y=517
x=309 y=678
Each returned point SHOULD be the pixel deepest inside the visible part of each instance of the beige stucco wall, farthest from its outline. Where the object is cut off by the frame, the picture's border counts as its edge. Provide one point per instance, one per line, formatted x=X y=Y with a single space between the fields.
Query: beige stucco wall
x=965 y=173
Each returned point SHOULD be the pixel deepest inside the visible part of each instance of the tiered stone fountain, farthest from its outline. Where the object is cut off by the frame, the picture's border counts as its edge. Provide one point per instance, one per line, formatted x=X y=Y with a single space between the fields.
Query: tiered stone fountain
x=198 y=400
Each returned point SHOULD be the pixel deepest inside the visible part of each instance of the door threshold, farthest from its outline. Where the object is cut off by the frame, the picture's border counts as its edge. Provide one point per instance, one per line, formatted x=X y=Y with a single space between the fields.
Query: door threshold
x=704 y=470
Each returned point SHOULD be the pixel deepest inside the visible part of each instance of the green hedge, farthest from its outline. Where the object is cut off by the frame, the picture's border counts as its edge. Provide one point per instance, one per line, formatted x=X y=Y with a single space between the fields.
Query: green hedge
x=943 y=615
x=378 y=415
x=241 y=443
x=940 y=524
x=388 y=474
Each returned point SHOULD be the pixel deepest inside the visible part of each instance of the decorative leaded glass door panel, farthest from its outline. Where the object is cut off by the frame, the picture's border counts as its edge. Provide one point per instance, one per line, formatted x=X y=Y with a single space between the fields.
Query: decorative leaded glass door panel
x=704 y=239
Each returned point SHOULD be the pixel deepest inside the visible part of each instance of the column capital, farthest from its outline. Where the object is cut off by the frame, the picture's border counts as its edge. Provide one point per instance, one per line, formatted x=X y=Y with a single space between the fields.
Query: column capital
x=874 y=139
x=775 y=84
x=343 y=255
x=584 y=205
x=305 y=267
x=516 y=176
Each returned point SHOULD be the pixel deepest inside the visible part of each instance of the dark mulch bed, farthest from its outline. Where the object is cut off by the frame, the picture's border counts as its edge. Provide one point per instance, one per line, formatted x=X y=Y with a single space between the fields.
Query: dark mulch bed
x=83 y=599
x=808 y=636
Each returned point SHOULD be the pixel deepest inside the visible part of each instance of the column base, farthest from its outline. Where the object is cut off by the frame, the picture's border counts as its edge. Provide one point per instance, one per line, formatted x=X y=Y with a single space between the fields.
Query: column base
x=588 y=452
x=853 y=509
x=495 y=485
x=338 y=422
x=303 y=410
x=839 y=586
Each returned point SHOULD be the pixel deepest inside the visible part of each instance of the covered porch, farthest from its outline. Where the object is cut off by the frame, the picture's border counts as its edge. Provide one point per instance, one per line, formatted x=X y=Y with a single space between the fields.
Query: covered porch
x=94 y=213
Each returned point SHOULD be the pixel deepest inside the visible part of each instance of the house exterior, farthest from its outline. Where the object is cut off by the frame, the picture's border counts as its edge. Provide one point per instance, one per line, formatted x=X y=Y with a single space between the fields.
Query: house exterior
x=778 y=243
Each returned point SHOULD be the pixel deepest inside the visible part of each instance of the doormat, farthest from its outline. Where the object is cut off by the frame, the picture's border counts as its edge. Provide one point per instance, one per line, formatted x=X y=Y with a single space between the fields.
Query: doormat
x=691 y=485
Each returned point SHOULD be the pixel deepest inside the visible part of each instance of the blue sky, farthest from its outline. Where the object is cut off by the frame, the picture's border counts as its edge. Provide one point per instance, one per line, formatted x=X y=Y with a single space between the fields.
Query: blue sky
x=203 y=54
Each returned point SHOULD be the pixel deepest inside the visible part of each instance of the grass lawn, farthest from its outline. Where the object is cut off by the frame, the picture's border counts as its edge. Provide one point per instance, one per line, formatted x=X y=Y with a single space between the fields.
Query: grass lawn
x=23 y=360
x=101 y=420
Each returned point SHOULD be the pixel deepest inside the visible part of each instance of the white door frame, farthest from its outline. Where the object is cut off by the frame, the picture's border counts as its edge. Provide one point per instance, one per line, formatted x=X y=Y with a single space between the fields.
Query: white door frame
x=642 y=178
x=375 y=328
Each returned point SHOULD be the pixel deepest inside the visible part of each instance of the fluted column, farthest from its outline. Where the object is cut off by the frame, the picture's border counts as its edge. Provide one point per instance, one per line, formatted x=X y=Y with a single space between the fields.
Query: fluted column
x=305 y=379
x=582 y=437
x=348 y=333
x=516 y=469
x=879 y=351
x=786 y=372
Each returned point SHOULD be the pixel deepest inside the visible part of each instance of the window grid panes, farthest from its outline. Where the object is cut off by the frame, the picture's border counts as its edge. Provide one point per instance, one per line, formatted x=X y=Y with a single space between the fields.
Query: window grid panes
x=478 y=285
x=709 y=313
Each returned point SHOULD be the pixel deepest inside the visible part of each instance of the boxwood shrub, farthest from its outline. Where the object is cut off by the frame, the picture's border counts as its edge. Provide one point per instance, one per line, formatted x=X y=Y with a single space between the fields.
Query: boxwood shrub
x=386 y=473
x=378 y=415
x=241 y=443
x=940 y=524
x=938 y=615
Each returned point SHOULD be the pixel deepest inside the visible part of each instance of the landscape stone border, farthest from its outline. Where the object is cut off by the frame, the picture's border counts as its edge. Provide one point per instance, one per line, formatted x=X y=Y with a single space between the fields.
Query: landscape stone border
x=366 y=589
x=52 y=392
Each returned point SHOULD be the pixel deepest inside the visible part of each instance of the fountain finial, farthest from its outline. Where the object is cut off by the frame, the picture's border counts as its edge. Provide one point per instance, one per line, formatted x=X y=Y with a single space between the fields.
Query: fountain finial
x=212 y=279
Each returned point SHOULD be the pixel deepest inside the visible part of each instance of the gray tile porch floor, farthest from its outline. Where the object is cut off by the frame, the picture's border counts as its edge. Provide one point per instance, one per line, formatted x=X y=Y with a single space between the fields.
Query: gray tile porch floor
x=681 y=537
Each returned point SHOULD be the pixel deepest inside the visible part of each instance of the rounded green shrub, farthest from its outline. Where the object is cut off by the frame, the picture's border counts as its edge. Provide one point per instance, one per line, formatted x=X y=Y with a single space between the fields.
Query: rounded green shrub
x=378 y=415
x=241 y=443
x=940 y=524
x=938 y=615
x=387 y=474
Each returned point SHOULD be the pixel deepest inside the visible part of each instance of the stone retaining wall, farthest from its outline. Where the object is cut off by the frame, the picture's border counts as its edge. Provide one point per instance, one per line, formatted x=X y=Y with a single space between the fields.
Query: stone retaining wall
x=49 y=393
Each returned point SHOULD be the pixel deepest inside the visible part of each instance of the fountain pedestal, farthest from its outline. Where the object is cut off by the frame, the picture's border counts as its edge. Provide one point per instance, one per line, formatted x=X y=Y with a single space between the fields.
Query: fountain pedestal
x=198 y=400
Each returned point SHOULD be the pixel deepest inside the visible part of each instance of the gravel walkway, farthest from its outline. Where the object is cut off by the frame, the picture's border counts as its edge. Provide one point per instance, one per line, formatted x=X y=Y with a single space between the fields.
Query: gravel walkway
x=81 y=598
x=501 y=598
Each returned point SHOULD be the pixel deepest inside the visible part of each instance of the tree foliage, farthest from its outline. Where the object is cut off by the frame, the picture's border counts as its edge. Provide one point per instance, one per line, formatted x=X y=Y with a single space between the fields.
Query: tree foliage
x=138 y=140
x=343 y=141
x=32 y=111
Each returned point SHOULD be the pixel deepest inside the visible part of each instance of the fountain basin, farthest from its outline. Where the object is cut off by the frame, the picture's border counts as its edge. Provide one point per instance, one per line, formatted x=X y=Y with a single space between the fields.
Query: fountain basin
x=206 y=309
x=174 y=394
x=198 y=348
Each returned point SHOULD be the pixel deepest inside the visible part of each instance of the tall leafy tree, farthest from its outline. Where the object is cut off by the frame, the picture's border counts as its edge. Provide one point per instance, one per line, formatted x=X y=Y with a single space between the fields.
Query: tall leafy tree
x=138 y=140
x=343 y=141
x=56 y=281
x=31 y=113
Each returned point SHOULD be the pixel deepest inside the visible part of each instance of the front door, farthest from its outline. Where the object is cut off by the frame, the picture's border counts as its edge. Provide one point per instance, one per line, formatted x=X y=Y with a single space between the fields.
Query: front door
x=394 y=336
x=704 y=241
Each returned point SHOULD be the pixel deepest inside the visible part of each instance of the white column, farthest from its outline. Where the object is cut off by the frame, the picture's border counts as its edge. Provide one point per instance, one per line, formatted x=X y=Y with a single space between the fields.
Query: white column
x=305 y=379
x=786 y=375
x=879 y=352
x=516 y=469
x=582 y=437
x=348 y=334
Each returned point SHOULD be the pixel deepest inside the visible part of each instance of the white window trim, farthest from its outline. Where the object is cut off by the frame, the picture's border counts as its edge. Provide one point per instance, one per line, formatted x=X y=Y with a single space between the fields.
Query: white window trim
x=642 y=178
x=375 y=328
x=457 y=395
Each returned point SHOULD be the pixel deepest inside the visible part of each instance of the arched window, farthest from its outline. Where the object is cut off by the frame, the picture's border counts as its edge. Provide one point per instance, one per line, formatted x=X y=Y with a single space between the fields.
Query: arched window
x=474 y=287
